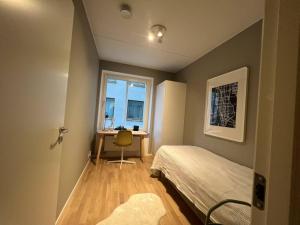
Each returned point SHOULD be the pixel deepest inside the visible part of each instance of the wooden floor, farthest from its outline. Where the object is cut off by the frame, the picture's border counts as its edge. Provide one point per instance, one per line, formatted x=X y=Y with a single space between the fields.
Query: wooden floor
x=104 y=187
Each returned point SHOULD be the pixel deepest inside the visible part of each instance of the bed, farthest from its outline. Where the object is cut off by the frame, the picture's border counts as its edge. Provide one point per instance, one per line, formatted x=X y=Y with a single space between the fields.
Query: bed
x=206 y=179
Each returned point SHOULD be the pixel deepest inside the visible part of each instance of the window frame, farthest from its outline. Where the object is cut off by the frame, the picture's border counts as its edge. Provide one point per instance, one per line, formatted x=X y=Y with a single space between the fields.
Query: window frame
x=107 y=74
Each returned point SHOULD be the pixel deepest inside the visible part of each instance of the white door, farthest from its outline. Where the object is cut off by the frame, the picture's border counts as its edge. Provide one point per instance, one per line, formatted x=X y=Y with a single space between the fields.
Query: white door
x=174 y=106
x=276 y=109
x=35 y=42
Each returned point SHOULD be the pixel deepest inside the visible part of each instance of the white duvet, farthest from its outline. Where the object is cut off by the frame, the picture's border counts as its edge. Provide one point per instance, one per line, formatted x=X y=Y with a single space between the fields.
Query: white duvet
x=206 y=179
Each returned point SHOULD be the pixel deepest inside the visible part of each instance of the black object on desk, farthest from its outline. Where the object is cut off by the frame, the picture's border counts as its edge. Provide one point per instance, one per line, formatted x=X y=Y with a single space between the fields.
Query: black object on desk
x=120 y=128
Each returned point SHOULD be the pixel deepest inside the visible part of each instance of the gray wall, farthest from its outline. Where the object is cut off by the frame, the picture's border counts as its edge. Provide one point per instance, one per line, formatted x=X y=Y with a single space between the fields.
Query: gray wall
x=242 y=50
x=80 y=106
x=158 y=76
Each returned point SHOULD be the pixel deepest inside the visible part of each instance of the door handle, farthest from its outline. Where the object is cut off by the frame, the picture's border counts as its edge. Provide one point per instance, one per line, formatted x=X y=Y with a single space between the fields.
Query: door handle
x=61 y=132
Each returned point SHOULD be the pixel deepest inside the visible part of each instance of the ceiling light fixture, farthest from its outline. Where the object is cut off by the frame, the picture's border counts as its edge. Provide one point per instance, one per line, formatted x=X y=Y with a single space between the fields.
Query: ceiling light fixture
x=157 y=32
x=151 y=37
x=125 y=11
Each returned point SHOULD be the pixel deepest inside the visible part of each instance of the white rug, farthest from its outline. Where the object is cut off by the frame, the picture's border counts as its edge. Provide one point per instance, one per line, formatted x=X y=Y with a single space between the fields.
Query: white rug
x=140 y=209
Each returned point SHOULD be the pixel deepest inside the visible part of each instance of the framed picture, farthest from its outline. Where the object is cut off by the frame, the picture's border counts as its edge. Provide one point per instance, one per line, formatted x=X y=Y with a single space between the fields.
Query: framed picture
x=225 y=109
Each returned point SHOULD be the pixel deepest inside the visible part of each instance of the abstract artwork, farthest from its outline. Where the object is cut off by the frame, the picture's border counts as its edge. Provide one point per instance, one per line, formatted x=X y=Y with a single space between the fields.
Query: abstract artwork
x=223 y=105
x=226 y=105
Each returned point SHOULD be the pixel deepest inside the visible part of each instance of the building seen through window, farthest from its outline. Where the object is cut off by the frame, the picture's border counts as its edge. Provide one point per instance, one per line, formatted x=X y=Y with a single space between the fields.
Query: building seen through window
x=125 y=103
x=135 y=110
x=109 y=107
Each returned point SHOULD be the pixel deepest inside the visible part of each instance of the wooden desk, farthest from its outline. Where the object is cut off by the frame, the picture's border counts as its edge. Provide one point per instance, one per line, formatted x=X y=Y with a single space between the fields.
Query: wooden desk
x=102 y=133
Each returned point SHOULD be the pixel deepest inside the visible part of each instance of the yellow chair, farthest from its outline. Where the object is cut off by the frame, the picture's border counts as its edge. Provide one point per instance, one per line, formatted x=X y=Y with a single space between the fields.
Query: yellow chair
x=123 y=139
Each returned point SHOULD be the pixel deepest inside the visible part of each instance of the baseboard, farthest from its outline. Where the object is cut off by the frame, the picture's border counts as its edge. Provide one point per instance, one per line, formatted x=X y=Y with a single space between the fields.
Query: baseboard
x=72 y=192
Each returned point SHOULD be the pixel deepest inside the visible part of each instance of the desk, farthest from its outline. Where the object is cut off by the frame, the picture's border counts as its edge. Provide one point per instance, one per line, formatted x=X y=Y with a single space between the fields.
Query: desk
x=102 y=133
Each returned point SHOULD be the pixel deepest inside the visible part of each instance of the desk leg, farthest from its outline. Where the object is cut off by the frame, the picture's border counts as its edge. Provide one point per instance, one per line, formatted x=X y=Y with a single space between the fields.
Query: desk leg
x=99 y=148
x=141 y=147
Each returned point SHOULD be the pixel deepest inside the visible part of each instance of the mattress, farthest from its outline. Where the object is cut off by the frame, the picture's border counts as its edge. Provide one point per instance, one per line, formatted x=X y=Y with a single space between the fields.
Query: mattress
x=206 y=179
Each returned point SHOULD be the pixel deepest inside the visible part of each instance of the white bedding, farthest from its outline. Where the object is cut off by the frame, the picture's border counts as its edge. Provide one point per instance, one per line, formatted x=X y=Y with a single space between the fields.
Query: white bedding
x=206 y=179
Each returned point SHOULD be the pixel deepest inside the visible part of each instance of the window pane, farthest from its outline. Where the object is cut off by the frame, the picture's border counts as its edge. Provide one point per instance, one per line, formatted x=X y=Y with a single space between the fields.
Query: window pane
x=125 y=101
x=116 y=89
x=135 y=104
x=135 y=110
x=109 y=107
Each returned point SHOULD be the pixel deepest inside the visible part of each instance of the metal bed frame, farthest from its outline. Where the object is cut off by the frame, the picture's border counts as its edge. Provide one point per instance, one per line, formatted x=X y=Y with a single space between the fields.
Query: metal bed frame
x=207 y=220
x=201 y=215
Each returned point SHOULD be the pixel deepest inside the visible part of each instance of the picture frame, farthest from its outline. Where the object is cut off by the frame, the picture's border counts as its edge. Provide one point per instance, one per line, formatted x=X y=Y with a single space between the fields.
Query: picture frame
x=225 y=109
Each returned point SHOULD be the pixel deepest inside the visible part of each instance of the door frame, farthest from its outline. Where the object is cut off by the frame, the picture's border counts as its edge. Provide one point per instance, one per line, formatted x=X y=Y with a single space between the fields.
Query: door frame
x=276 y=109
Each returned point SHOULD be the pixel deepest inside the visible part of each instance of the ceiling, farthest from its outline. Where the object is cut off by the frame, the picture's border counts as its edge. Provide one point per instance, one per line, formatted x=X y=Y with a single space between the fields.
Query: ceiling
x=194 y=27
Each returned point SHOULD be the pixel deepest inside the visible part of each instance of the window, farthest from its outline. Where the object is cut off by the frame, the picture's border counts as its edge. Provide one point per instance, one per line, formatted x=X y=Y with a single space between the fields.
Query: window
x=135 y=110
x=126 y=100
x=109 y=108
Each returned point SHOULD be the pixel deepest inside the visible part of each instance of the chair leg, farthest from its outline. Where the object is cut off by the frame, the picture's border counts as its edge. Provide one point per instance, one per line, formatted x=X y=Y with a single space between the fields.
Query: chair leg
x=122 y=157
x=121 y=161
